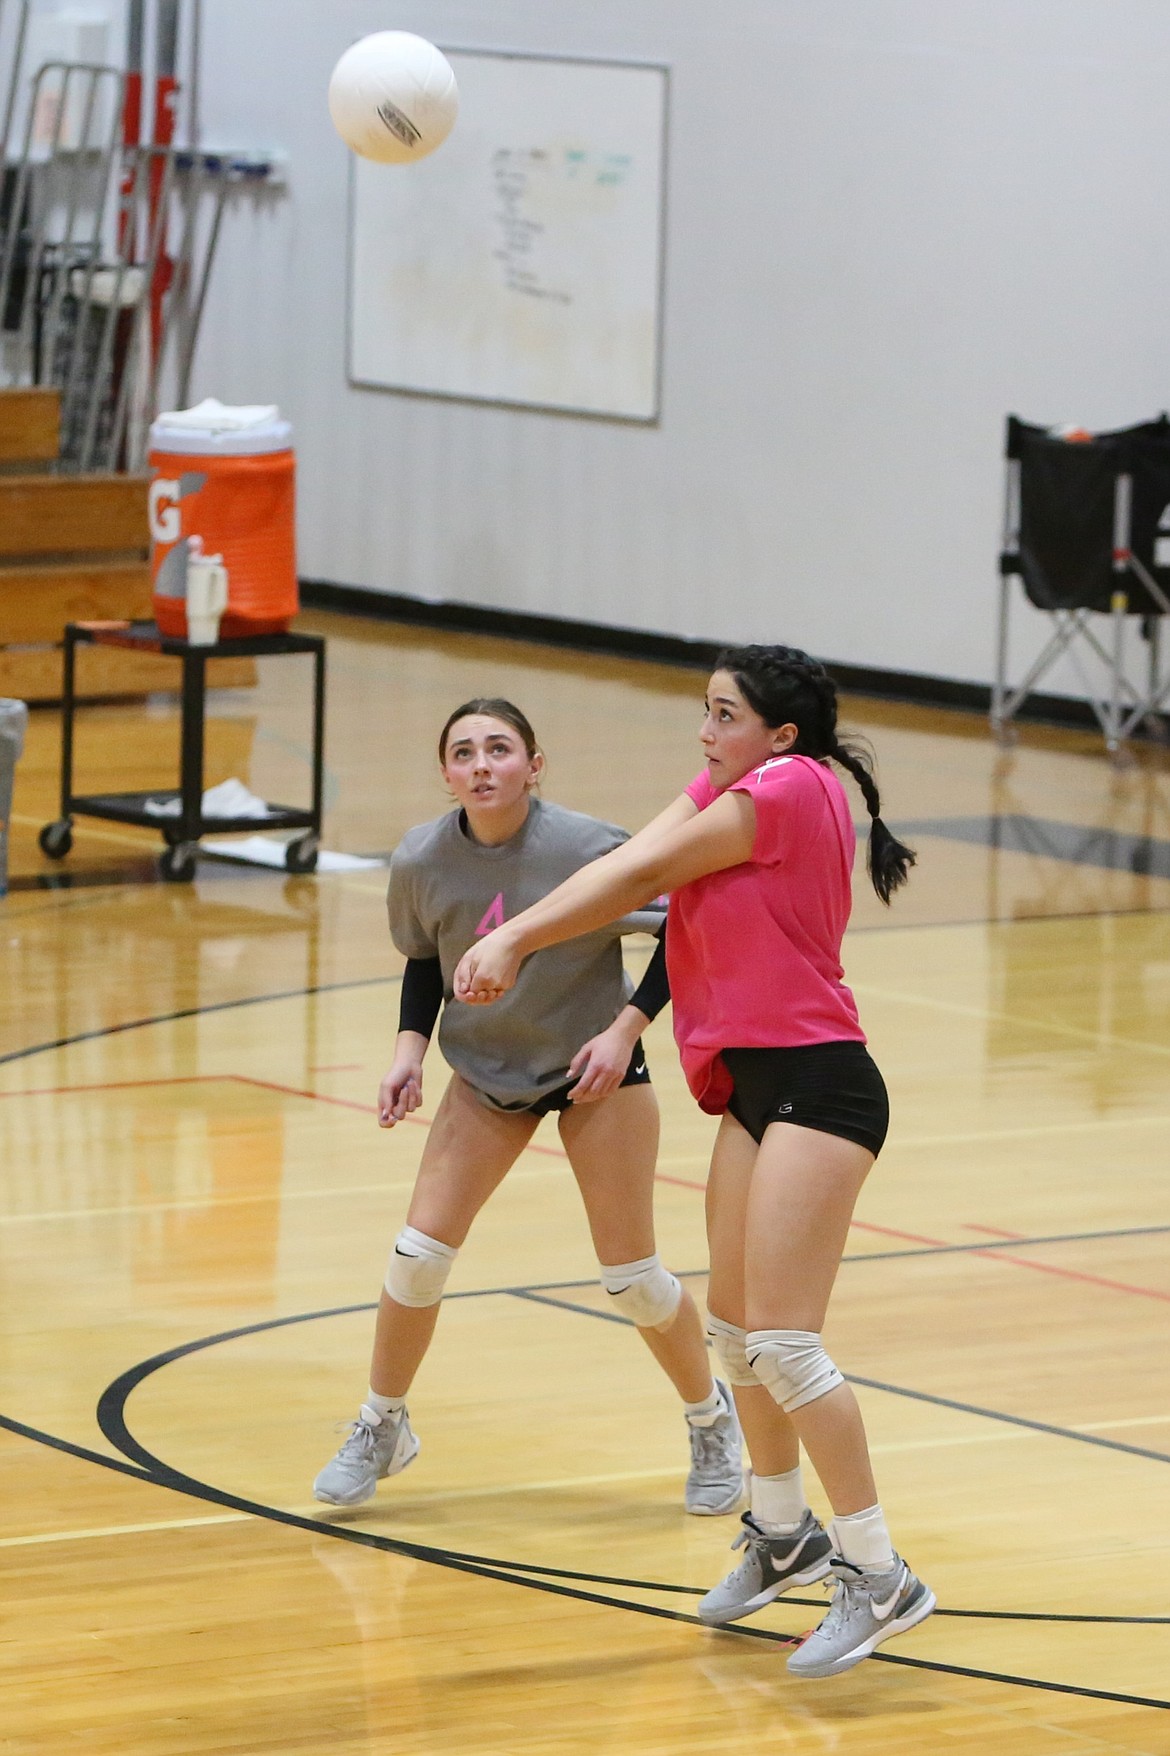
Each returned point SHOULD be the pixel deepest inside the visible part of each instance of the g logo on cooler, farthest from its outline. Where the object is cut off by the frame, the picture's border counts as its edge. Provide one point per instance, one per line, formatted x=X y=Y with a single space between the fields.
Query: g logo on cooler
x=163 y=503
x=163 y=500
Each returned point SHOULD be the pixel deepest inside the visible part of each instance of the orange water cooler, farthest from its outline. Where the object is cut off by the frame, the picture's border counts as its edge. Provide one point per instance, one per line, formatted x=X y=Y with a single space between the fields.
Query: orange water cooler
x=224 y=484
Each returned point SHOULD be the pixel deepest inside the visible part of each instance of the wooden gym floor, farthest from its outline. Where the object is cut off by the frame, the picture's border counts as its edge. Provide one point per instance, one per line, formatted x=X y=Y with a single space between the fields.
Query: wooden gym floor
x=196 y=1205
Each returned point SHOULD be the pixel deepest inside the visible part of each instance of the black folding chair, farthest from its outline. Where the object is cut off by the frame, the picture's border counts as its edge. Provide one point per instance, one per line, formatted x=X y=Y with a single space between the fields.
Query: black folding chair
x=1087 y=533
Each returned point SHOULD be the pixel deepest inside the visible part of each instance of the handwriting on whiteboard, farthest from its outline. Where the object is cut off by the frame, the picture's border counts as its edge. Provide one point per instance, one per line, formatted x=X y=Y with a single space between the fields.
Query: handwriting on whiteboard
x=538 y=192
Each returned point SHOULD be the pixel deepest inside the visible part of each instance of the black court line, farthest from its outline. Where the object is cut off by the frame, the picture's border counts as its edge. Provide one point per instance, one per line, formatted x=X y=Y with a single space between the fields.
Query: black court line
x=112 y=1419
x=1038 y=920
x=113 y=1030
x=159 y=1474
x=1008 y=1243
x=145 y=1466
x=1111 y=850
x=1020 y=1243
x=83 y=1452
x=967 y=1408
x=988 y=1414
x=542 y=1298
x=991 y=1414
x=120 y=1466
x=539 y=1295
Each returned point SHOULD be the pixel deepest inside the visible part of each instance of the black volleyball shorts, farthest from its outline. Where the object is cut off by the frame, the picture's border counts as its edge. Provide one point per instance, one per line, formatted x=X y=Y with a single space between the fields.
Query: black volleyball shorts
x=833 y=1087
x=637 y=1073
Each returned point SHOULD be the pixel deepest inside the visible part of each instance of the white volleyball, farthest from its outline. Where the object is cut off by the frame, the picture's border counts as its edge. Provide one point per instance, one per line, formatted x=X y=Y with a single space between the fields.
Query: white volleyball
x=393 y=97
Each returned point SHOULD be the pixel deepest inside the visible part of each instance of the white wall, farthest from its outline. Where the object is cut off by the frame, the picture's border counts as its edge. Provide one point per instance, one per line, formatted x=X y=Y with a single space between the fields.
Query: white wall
x=890 y=223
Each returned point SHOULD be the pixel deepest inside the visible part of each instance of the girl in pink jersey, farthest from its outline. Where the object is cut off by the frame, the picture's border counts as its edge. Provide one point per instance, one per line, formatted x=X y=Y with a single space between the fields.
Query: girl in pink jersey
x=757 y=855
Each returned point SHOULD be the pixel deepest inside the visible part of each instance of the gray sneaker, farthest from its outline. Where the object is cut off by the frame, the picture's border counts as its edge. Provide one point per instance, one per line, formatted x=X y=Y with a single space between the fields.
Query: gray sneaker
x=772 y=1566
x=375 y=1448
x=867 y=1608
x=715 y=1482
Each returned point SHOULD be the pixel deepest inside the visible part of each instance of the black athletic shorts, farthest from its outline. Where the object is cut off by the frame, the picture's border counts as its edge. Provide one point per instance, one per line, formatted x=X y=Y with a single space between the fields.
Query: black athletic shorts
x=637 y=1073
x=833 y=1087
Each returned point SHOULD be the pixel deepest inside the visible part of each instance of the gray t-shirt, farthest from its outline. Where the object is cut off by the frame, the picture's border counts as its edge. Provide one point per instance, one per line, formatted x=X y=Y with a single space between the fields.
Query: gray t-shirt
x=448 y=890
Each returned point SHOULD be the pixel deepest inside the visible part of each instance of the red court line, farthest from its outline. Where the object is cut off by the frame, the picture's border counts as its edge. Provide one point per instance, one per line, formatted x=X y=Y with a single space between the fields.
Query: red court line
x=860 y=1225
x=1117 y=1286
x=118 y=1085
x=1097 y=1280
x=320 y=1097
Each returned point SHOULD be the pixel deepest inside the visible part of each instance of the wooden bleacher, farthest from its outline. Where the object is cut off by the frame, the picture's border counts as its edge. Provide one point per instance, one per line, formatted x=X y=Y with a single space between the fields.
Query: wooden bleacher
x=73 y=549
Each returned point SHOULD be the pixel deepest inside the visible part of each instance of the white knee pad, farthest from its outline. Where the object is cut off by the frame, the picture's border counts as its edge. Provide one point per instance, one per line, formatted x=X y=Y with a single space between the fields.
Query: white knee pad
x=644 y=1291
x=728 y=1343
x=792 y=1365
x=418 y=1269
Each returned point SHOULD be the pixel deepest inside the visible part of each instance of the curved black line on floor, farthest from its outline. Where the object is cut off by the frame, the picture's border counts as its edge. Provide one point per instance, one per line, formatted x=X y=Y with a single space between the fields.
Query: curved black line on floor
x=154 y=1476
x=112 y=1418
x=83 y=1452
x=534 y=1294
x=111 y=1415
x=113 y=1030
x=148 y=1468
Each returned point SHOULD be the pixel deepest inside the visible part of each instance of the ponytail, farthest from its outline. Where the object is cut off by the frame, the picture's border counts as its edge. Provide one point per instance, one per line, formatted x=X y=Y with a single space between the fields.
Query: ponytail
x=785 y=686
x=887 y=860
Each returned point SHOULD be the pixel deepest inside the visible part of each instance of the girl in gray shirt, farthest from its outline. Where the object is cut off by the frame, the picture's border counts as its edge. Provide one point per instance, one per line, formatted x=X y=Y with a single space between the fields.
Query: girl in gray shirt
x=565 y=1039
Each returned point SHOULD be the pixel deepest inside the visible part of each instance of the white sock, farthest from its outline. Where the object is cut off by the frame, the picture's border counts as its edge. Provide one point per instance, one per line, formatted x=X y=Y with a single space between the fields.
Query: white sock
x=862 y=1537
x=778 y=1502
x=707 y=1412
x=384 y=1405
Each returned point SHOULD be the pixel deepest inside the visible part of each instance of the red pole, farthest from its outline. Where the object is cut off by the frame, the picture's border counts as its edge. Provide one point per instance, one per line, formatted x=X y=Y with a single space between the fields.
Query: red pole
x=166 y=91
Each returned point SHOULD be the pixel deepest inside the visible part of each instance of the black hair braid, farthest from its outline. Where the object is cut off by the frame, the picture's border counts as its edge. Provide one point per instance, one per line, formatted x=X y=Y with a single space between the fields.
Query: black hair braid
x=887 y=860
x=785 y=685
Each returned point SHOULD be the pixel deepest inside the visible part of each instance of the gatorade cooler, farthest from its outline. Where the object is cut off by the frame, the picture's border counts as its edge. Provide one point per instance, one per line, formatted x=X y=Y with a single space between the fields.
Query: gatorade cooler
x=224 y=483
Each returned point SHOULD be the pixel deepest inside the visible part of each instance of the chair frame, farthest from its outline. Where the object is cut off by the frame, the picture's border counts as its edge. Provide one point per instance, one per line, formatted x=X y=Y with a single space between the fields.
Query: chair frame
x=1127 y=704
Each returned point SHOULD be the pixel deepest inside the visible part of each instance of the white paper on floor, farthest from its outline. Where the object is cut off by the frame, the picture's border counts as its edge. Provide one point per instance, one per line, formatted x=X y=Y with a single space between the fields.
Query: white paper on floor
x=261 y=850
x=231 y=798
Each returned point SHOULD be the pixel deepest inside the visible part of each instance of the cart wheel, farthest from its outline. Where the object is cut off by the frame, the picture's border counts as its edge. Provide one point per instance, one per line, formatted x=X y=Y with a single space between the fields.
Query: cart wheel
x=56 y=839
x=301 y=855
x=177 y=864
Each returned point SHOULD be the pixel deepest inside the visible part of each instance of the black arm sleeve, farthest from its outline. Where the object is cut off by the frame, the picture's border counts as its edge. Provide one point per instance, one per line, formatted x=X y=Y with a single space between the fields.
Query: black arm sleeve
x=422 y=995
x=653 y=991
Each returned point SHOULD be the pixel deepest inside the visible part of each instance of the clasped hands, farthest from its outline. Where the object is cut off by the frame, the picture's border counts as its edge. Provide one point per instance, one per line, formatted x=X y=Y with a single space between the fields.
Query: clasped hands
x=490 y=968
x=487 y=970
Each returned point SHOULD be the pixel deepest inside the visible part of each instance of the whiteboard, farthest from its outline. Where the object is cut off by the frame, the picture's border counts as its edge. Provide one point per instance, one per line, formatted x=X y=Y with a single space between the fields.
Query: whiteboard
x=521 y=262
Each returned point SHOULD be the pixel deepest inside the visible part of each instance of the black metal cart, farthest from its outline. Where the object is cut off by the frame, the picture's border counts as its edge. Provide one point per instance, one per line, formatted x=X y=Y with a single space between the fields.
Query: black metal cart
x=182 y=832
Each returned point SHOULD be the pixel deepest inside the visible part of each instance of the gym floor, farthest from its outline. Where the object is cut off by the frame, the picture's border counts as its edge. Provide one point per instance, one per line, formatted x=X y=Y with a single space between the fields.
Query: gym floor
x=196 y=1205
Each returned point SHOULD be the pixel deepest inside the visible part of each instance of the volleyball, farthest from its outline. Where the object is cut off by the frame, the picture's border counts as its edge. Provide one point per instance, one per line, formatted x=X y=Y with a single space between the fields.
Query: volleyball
x=393 y=97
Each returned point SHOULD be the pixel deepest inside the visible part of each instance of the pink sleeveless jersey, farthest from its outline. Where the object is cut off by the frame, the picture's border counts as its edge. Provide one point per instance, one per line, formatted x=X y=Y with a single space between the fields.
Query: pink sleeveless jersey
x=754 y=951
